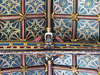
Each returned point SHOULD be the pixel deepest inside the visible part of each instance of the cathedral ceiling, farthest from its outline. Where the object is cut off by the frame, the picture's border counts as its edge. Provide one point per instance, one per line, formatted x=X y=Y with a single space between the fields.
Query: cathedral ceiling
x=74 y=24
x=18 y=64
x=74 y=47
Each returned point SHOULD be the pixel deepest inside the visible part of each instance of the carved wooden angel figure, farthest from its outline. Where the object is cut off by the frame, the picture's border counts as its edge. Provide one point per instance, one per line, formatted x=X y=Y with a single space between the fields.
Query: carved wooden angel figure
x=49 y=37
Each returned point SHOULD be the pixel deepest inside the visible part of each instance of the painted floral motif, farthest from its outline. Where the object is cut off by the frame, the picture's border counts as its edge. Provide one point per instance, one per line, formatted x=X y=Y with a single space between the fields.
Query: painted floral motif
x=91 y=61
x=9 y=61
x=88 y=7
x=63 y=28
x=10 y=30
x=10 y=7
x=34 y=28
x=34 y=6
x=63 y=6
x=32 y=60
x=88 y=30
x=64 y=60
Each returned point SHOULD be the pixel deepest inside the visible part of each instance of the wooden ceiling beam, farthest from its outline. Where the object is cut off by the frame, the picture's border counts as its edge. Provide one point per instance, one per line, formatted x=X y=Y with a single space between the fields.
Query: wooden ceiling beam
x=23 y=63
x=17 y=17
x=42 y=51
x=7 y=70
x=66 y=16
x=74 y=61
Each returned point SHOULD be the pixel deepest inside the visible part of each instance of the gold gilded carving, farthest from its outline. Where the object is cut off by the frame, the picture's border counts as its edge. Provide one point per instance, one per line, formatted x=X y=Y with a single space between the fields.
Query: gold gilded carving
x=61 y=47
x=88 y=4
x=18 y=47
x=38 y=44
x=25 y=44
x=45 y=14
x=35 y=56
x=35 y=4
x=98 y=71
x=11 y=44
x=67 y=45
x=24 y=69
x=0 y=71
x=49 y=62
x=10 y=57
x=74 y=40
x=87 y=58
x=74 y=69
x=74 y=16
x=5 y=47
x=52 y=16
x=22 y=39
x=46 y=67
x=98 y=18
x=32 y=47
x=63 y=3
x=23 y=16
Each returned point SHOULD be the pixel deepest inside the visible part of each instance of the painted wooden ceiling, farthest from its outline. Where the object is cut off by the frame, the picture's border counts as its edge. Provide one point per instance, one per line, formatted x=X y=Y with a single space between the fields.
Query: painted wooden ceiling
x=18 y=64
x=76 y=22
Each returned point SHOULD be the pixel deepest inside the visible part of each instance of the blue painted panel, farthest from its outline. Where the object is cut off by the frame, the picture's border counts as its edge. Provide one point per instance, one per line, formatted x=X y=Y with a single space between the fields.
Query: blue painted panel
x=63 y=28
x=81 y=73
x=88 y=7
x=34 y=6
x=12 y=73
x=64 y=60
x=33 y=60
x=88 y=45
x=10 y=61
x=74 y=45
x=62 y=72
x=91 y=61
x=32 y=44
x=63 y=6
x=36 y=72
x=88 y=30
x=41 y=44
x=18 y=43
x=34 y=28
x=4 y=44
x=10 y=30
x=60 y=44
x=10 y=7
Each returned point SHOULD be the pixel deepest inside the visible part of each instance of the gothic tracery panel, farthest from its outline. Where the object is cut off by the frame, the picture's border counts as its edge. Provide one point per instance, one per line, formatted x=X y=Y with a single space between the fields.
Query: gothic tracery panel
x=33 y=60
x=88 y=7
x=36 y=72
x=88 y=30
x=88 y=61
x=81 y=73
x=64 y=60
x=10 y=61
x=34 y=6
x=35 y=28
x=10 y=7
x=63 y=28
x=10 y=30
x=62 y=72
x=63 y=6
x=12 y=73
